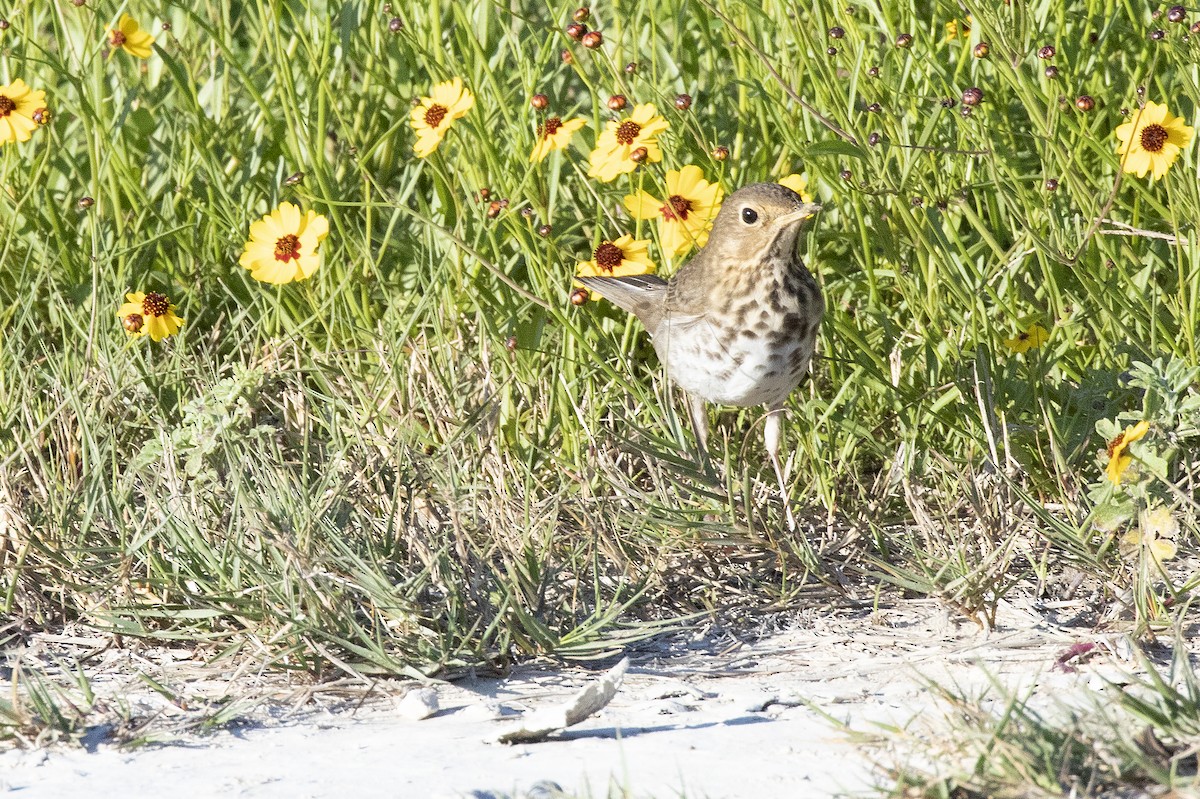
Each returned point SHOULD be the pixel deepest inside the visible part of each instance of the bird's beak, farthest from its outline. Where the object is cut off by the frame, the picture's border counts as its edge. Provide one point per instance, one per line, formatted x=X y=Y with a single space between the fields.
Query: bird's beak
x=803 y=212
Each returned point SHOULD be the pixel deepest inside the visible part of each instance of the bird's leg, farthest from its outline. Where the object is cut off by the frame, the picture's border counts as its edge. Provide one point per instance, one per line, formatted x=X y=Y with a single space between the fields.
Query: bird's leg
x=699 y=416
x=772 y=433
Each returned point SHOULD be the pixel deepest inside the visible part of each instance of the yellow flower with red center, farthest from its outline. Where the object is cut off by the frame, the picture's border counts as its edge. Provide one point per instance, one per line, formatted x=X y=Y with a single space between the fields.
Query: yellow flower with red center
x=434 y=115
x=285 y=245
x=149 y=314
x=618 y=258
x=1118 y=459
x=625 y=143
x=799 y=184
x=686 y=214
x=21 y=110
x=1152 y=140
x=128 y=36
x=553 y=134
x=1027 y=340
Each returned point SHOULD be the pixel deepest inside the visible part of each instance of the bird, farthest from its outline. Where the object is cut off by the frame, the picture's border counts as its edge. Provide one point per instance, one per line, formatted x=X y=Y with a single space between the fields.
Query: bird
x=738 y=323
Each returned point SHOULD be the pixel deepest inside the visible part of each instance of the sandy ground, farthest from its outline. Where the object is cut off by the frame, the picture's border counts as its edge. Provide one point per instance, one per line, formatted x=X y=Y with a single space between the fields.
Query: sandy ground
x=709 y=716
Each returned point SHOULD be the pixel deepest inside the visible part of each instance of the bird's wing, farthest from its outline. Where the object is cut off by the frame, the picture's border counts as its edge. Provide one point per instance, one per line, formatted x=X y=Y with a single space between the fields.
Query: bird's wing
x=644 y=296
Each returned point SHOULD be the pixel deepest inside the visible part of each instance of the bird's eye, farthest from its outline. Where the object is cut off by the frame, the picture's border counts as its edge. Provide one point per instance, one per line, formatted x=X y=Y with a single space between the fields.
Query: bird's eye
x=749 y=216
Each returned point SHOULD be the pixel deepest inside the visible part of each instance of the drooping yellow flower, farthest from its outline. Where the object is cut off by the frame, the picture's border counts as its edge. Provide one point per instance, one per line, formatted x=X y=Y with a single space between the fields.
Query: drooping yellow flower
x=1027 y=340
x=19 y=107
x=1152 y=140
x=799 y=184
x=149 y=314
x=1156 y=532
x=958 y=28
x=434 y=115
x=553 y=134
x=284 y=245
x=1118 y=459
x=687 y=212
x=129 y=37
x=619 y=258
x=625 y=143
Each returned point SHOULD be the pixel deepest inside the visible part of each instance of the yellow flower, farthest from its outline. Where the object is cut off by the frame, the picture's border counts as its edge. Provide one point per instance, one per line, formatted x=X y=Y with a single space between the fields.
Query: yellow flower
x=284 y=245
x=956 y=28
x=151 y=314
x=687 y=213
x=1118 y=460
x=553 y=134
x=18 y=106
x=620 y=258
x=625 y=143
x=434 y=115
x=1029 y=339
x=1156 y=532
x=1152 y=140
x=799 y=184
x=129 y=37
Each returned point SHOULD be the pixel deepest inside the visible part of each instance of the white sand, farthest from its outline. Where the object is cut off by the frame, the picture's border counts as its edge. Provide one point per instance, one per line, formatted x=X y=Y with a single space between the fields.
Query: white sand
x=688 y=721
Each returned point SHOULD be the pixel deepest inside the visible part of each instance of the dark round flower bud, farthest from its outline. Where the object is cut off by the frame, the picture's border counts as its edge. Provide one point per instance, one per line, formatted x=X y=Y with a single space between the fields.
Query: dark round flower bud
x=631 y=68
x=873 y=72
x=917 y=202
x=294 y=179
x=1046 y=51
x=1176 y=14
x=1051 y=184
x=949 y=102
x=874 y=108
x=846 y=174
x=166 y=26
x=639 y=155
x=85 y=203
x=1195 y=28
x=874 y=139
x=1085 y=102
x=539 y=101
x=1157 y=35
x=720 y=152
x=579 y=297
x=1051 y=72
x=836 y=33
x=592 y=40
x=683 y=101
x=3 y=24
x=527 y=212
x=510 y=343
x=904 y=40
x=972 y=96
x=395 y=25
x=566 y=56
x=544 y=230
x=617 y=102
x=576 y=30
x=581 y=14
x=493 y=209
x=982 y=49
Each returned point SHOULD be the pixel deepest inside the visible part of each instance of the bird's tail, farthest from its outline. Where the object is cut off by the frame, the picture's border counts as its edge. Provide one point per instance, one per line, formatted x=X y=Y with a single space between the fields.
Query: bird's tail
x=644 y=296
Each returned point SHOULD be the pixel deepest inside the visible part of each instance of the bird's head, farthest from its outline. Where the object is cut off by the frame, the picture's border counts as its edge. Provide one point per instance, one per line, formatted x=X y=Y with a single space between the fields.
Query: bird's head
x=760 y=218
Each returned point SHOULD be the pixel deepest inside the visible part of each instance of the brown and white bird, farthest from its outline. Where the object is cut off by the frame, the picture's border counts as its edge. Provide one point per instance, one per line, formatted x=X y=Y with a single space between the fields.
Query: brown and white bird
x=736 y=325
